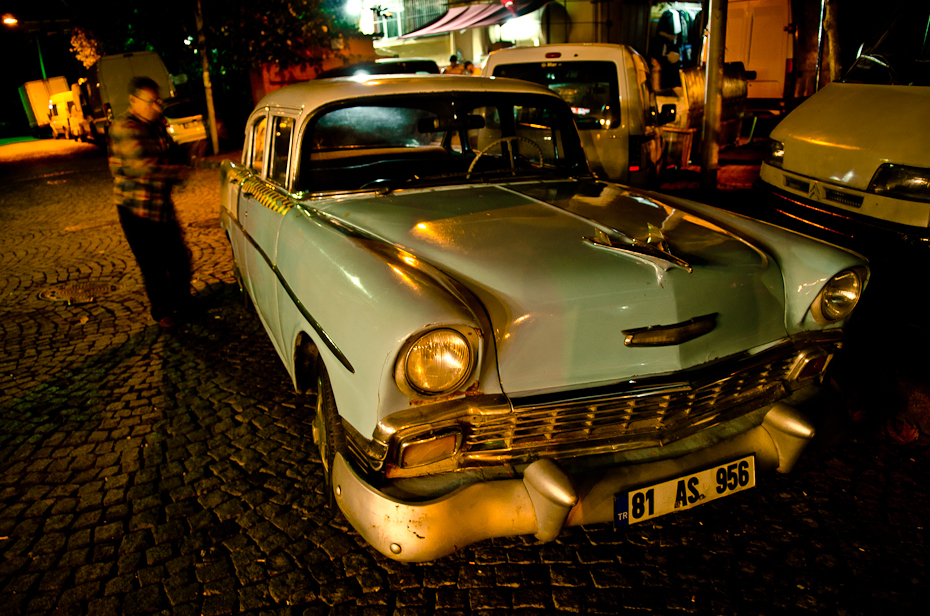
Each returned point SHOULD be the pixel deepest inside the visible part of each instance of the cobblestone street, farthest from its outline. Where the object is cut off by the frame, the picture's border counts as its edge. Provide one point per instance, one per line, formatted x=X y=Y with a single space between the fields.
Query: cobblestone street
x=148 y=471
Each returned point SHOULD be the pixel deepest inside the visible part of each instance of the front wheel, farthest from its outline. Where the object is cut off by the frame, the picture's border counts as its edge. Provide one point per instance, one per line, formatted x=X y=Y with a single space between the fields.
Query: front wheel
x=327 y=432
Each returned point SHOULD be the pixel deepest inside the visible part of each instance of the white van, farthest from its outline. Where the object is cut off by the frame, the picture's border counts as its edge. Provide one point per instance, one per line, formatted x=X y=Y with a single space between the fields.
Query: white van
x=610 y=92
x=108 y=80
x=852 y=161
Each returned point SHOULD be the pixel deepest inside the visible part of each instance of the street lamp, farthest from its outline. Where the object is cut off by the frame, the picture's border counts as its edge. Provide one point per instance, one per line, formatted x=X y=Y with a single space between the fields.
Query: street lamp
x=10 y=21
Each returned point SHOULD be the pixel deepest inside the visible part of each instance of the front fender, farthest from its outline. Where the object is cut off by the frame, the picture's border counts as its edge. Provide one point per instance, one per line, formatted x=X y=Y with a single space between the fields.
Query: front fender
x=806 y=263
x=367 y=298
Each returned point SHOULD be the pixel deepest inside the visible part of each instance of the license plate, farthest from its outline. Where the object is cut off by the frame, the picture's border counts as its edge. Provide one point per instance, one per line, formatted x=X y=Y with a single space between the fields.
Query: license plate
x=684 y=492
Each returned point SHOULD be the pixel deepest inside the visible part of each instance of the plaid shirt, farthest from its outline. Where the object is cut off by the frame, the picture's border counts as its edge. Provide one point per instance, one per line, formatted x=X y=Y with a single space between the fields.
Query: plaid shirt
x=139 y=162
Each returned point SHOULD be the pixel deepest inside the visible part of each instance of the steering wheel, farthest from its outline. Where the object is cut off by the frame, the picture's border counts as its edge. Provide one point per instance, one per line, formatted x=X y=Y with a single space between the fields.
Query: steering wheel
x=513 y=156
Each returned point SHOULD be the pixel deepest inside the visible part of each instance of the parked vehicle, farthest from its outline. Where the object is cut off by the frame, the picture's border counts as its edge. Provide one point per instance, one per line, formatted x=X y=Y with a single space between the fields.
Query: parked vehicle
x=611 y=95
x=66 y=117
x=185 y=121
x=384 y=66
x=500 y=343
x=35 y=96
x=108 y=80
x=850 y=162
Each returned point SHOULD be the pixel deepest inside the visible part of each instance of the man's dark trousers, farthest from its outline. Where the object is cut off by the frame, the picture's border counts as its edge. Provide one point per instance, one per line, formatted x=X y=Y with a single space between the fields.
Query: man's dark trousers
x=162 y=256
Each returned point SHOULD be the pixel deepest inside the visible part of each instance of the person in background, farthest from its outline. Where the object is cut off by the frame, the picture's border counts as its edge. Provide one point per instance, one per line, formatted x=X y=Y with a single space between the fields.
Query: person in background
x=471 y=69
x=140 y=157
x=454 y=67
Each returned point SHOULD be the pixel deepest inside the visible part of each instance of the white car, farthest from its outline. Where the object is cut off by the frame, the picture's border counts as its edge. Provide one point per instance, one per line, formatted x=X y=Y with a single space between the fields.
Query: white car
x=851 y=163
x=185 y=121
x=501 y=344
x=610 y=92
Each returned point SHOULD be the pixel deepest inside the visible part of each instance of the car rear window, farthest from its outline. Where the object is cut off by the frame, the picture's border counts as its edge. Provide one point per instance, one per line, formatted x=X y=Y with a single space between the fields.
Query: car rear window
x=589 y=87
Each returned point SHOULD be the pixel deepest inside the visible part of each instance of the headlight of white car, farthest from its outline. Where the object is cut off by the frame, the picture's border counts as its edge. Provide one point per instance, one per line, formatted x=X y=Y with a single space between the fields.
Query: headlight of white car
x=438 y=362
x=838 y=297
x=902 y=182
x=776 y=154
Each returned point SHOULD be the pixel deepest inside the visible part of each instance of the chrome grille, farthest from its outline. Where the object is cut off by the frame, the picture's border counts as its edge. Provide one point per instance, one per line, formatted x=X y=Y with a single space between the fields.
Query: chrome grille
x=628 y=420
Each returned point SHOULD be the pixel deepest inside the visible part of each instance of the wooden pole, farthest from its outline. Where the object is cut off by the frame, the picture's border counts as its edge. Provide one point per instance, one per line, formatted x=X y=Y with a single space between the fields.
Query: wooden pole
x=207 y=85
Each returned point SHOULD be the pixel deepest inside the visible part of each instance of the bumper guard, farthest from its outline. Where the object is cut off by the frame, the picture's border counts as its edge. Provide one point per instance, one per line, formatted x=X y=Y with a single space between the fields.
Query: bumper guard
x=546 y=499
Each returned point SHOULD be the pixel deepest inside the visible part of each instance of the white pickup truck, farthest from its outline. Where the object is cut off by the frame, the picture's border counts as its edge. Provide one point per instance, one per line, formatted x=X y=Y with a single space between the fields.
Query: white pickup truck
x=610 y=92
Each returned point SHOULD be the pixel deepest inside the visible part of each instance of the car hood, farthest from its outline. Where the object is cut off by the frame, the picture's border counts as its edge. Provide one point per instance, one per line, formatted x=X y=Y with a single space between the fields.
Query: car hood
x=844 y=132
x=552 y=264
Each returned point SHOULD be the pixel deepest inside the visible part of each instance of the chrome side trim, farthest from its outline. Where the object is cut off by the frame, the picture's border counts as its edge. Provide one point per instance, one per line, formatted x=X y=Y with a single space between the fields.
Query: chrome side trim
x=678 y=333
x=329 y=342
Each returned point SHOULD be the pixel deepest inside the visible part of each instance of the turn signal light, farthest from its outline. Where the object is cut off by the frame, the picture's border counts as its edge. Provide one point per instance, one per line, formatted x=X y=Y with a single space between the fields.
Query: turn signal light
x=809 y=366
x=429 y=450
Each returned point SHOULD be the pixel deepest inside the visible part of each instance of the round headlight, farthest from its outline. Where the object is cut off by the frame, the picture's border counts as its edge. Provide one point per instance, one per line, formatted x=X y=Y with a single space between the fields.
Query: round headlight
x=839 y=296
x=438 y=362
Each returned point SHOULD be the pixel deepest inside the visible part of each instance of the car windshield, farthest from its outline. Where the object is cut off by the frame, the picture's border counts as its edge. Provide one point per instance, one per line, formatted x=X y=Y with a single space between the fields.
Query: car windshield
x=399 y=142
x=901 y=55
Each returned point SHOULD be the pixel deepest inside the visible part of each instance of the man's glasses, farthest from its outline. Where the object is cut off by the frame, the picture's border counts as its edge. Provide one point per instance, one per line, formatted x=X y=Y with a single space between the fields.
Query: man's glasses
x=154 y=101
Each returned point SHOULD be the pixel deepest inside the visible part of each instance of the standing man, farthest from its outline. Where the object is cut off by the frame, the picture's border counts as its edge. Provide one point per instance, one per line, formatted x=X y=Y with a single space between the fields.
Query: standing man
x=143 y=178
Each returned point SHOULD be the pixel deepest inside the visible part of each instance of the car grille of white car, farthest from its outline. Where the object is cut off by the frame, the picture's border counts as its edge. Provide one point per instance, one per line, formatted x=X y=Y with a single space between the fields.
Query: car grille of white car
x=841 y=197
x=639 y=418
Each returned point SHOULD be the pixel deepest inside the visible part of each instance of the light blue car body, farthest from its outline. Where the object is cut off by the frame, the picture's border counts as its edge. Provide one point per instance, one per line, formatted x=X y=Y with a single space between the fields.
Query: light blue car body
x=519 y=266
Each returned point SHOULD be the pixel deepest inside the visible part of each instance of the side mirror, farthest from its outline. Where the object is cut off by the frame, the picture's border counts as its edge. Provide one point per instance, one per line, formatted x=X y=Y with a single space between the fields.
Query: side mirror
x=668 y=114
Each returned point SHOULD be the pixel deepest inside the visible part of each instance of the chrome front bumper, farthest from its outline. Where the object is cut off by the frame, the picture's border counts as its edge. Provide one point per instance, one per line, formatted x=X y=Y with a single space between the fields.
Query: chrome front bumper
x=546 y=499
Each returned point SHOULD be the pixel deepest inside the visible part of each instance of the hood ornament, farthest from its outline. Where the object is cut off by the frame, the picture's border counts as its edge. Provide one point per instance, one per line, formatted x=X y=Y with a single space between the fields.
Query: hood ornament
x=654 y=249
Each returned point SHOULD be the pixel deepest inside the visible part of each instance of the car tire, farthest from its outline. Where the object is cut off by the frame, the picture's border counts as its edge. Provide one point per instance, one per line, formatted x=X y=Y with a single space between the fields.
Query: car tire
x=327 y=432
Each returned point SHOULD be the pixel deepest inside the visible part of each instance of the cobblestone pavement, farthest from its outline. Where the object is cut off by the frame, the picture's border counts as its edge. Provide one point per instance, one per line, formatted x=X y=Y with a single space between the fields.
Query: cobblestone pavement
x=144 y=471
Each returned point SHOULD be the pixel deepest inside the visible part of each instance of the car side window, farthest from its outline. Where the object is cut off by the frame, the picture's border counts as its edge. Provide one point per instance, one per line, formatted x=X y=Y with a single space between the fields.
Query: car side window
x=280 y=148
x=257 y=158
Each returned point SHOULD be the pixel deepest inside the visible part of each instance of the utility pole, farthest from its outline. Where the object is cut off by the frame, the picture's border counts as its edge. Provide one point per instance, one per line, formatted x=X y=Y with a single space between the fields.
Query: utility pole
x=207 y=86
x=713 y=93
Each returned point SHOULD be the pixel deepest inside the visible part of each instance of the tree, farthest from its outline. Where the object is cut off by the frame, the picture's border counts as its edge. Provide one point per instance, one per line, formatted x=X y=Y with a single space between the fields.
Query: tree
x=87 y=49
x=283 y=32
x=241 y=35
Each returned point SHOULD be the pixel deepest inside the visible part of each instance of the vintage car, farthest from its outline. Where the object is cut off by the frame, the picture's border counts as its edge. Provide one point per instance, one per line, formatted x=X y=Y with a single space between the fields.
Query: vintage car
x=501 y=344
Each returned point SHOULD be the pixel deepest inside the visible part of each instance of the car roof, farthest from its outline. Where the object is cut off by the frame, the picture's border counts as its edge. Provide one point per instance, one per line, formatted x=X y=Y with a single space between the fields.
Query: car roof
x=568 y=52
x=311 y=94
